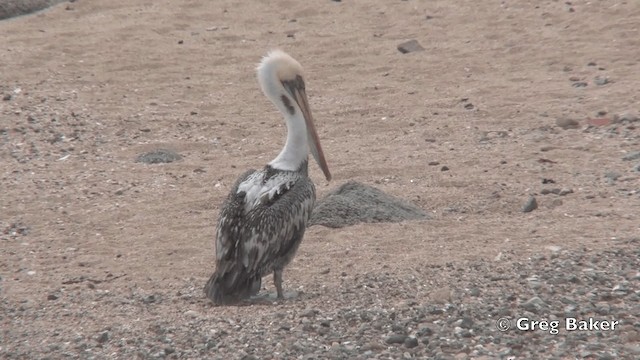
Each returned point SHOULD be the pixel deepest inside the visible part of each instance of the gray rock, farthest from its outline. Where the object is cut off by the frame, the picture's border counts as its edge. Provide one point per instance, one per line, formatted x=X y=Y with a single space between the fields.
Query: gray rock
x=632 y=156
x=410 y=342
x=410 y=46
x=159 y=156
x=353 y=203
x=565 y=191
x=9 y=9
x=567 y=123
x=103 y=337
x=396 y=339
x=534 y=305
x=530 y=205
x=600 y=80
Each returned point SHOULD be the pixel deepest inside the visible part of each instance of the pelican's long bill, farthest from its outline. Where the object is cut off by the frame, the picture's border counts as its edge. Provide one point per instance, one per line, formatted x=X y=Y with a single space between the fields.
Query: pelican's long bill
x=297 y=90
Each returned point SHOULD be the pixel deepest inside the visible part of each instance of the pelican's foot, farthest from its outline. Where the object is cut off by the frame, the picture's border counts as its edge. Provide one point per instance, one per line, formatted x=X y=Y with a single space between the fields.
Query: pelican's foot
x=270 y=298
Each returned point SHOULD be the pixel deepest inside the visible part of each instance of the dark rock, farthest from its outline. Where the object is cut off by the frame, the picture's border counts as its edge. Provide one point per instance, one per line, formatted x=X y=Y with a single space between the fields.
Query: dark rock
x=424 y=331
x=158 y=157
x=354 y=203
x=9 y=9
x=410 y=342
x=534 y=305
x=410 y=46
x=52 y=297
x=567 y=123
x=632 y=156
x=565 y=191
x=530 y=205
x=466 y=323
x=103 y=337
x=601 y=80
x=396 y=339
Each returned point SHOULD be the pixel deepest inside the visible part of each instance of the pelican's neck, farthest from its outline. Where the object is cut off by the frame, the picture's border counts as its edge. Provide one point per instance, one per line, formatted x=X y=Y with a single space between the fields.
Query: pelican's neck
x=295 y=150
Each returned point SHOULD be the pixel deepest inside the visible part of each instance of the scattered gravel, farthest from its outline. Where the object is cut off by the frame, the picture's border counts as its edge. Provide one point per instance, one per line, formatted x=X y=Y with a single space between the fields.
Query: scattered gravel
x=377 y=315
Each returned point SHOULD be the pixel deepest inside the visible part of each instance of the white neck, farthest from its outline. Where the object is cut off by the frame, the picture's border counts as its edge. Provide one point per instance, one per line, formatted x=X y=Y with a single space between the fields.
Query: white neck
x=296 y=148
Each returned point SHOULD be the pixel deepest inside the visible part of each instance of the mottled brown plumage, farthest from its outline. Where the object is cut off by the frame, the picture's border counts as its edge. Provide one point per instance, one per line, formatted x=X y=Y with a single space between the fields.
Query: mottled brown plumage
x=263 y=220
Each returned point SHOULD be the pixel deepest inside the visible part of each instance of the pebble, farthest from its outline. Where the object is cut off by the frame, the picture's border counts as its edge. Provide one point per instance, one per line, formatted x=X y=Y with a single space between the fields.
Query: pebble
x=410 y=46
x=567 y=123
x=410 y=342
x=309 y=313
x=534 y=305
x=632 y=156
x=627 y=117
x=565 y=191
x=191 y=313
x=530 y=205
x=103 y=337
x=159 y=156
x=466 y=323
x=612 y=176
x=396 y=339
x=600 y=80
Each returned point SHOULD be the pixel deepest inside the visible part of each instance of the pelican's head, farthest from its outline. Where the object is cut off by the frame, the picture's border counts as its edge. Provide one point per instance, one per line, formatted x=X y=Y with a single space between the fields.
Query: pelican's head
x=281 y=80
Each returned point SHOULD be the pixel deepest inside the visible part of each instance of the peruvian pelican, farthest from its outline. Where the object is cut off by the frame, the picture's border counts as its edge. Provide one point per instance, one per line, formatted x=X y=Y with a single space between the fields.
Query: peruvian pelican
x=263 y=219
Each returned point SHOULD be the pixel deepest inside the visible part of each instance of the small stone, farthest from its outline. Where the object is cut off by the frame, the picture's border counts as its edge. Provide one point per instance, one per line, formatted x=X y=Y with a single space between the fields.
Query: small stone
x=444 y=168
x=103 y=337
x=612 y=176
x=410 y=46
x=52 y=297
x=600 y=80
x=424 y=331
x=530 y=205
x=632 y=156
x=310 y=313
x=159 y=156
x=620 y=289
x=567 y=123
x=633 y=349
x=579 y=84
x=466 y=323
x=627 y=117
x=534 y=305
x=565 y=191
x=396 y=339
x=410 y=342
x=555 y=203
x=434 y=163
x=554 y=248
x=191 y=313
x=7 y=97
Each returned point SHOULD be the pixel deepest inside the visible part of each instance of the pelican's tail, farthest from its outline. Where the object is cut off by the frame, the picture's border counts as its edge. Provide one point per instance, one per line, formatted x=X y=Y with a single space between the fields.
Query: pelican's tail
x=226 y=288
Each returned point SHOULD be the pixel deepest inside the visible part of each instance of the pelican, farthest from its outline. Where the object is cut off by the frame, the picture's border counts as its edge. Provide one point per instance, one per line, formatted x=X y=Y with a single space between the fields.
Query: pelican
x=263 y=219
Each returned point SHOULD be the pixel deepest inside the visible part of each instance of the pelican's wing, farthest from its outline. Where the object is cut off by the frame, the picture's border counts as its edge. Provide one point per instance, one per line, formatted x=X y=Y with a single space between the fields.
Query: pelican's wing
x=230 y=221
x=272 y=230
